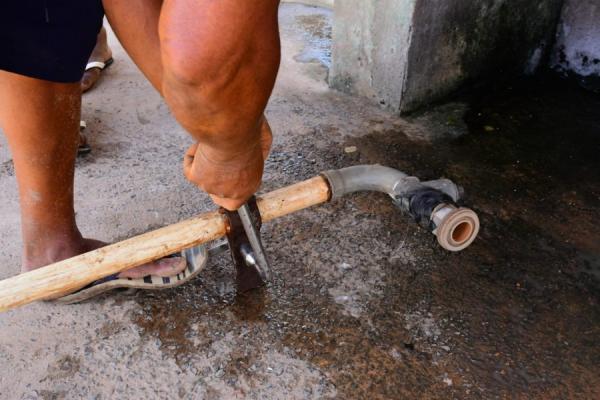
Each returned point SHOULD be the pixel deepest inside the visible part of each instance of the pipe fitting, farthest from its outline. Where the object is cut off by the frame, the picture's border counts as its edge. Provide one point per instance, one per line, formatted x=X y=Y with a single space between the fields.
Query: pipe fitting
x=431 y=203
x=455 y=228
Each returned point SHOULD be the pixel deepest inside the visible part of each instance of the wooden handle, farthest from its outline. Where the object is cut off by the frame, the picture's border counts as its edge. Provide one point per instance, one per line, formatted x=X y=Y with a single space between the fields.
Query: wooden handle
x=66 y=276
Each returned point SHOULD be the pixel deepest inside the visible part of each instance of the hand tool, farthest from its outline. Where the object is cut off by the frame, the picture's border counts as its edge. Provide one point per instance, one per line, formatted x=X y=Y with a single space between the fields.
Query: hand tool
x=248 y=254
x=433 y=203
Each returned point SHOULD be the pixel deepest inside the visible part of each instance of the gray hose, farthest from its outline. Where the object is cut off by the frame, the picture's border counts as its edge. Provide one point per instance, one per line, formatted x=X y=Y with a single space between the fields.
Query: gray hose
x=382 y=179
x=432 y=203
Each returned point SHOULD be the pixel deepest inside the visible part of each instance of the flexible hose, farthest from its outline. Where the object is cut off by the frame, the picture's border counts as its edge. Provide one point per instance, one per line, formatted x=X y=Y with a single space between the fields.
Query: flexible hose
x=432 y=203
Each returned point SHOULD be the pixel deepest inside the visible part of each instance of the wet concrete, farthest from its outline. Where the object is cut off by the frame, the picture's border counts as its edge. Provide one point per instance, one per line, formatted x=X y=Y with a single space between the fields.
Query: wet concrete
x=317 y=33
x=514 y=316
x=364 y=303
x=524 y=298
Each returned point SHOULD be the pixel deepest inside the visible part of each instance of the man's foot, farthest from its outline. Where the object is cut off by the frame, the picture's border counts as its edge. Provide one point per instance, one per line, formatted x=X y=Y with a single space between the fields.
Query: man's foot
x=101 y=54
x=62 y=250
x=195 y=258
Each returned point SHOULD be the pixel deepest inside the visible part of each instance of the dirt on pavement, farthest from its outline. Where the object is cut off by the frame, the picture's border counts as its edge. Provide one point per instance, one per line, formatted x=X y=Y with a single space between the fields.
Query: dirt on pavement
x=364 y=303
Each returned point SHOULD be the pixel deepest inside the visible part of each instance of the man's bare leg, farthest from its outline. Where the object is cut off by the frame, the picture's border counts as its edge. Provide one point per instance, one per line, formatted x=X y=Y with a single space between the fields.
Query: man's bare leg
x=41 y=121
x=101 y=53
x=135 y=22
x=219 y=63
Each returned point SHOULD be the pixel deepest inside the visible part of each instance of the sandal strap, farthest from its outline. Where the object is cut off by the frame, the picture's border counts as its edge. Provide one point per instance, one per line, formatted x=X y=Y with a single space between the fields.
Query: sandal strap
x=95 y=64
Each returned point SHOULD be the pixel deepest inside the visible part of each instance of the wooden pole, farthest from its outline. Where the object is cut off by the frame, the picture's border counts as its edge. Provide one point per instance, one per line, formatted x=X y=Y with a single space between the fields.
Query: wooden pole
x=66 y=276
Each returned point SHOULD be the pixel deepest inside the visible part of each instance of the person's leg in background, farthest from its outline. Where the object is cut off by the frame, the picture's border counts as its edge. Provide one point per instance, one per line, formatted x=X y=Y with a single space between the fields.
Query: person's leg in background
x=100 y=59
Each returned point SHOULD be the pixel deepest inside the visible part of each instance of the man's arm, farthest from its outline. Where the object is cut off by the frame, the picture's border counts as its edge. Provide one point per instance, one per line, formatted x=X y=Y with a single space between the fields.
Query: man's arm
x=220 y=60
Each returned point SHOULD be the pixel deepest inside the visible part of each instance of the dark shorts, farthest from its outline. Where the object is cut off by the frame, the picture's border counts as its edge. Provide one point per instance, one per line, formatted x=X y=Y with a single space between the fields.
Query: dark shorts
x=48 y=39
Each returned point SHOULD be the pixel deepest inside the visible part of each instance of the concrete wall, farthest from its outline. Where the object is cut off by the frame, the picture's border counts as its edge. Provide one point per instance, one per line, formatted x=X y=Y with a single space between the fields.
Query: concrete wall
x=407 y=53
x=370 y=46
x=455 y=42
x=578 y=41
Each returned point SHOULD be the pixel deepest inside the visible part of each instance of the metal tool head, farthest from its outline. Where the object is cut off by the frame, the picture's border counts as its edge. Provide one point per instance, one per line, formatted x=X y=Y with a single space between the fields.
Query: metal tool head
x=247 y=251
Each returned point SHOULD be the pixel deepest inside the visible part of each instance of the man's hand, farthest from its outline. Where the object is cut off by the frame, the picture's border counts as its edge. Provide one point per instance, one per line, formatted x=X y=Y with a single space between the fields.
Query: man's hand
x=230 y=179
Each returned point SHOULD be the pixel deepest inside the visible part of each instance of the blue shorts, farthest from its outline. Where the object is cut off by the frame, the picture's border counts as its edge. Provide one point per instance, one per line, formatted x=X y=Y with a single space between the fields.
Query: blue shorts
x=48 y=39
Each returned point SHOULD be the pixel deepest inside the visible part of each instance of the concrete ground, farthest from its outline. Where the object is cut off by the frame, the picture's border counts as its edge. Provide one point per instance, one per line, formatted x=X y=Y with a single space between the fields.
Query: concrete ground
x=364 y=303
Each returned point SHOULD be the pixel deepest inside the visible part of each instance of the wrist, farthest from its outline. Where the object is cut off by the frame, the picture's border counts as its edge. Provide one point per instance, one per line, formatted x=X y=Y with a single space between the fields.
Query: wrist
x=227 y=158
x=229 y=154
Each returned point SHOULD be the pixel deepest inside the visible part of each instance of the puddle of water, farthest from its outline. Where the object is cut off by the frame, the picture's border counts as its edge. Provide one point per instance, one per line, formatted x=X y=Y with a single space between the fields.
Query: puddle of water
x=316 y=30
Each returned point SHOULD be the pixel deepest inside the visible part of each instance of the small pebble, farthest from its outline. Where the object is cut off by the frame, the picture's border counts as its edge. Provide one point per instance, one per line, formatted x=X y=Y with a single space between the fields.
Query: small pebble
x=350 y=149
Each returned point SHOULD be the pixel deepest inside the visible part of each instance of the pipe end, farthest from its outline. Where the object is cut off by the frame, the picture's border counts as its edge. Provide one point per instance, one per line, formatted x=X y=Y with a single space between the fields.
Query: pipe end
x=458 y=229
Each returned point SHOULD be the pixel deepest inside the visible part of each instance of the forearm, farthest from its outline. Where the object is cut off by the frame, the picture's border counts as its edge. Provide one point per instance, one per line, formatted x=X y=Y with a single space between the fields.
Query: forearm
x=225 y=122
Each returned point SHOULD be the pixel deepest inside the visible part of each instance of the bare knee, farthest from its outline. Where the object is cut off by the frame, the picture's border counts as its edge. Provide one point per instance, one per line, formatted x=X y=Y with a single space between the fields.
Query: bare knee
x=222 y=82
x=194 y=85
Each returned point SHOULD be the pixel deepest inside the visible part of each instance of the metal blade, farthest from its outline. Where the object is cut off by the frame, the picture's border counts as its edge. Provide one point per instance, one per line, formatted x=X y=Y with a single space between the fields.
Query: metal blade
x=260 y=258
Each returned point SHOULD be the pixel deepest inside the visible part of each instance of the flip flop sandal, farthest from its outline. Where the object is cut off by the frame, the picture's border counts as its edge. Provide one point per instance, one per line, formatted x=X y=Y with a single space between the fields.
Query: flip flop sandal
x=101 y=65
x=195 y=258
x=84 y=147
